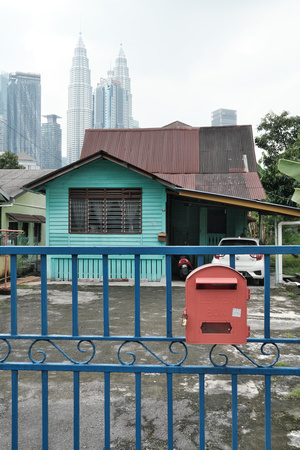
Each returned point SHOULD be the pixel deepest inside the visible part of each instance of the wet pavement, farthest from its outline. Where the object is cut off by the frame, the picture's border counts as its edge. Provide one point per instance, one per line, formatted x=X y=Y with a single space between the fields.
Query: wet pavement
x=285 y=322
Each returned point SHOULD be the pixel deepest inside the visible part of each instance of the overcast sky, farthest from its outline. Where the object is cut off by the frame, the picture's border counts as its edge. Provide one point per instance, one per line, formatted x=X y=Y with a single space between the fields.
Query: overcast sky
x=185 y=58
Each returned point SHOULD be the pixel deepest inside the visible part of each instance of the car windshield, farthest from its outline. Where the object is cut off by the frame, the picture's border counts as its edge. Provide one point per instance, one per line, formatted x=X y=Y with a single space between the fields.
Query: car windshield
x=232 y=242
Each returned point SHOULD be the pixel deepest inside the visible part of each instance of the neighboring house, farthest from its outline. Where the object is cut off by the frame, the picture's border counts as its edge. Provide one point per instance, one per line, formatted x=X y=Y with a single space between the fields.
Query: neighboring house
x=27 y=161
x=21 y=210
x=151 y=187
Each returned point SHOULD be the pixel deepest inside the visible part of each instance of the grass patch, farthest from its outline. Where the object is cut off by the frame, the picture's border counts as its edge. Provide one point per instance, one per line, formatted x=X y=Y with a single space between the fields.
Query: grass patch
x=288 y=335
x=290 y=264
x=280 y=364
x=295 y=393
x=291 y=294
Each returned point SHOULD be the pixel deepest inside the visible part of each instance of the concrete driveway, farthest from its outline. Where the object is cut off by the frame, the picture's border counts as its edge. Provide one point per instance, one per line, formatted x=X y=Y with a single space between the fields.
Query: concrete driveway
x=285 y=322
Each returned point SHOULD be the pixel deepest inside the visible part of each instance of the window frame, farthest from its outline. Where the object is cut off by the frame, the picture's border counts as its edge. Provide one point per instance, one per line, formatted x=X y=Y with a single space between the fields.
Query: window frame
x=109 y=198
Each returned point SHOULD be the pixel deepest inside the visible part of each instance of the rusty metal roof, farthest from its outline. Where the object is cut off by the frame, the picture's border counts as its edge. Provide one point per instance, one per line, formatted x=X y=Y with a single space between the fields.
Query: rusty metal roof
x=245 y=185
x=175 y=150
x=213 y=159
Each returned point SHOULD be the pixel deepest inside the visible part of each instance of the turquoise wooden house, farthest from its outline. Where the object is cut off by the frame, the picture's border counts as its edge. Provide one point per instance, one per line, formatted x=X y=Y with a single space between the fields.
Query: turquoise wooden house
x=150 y=187
x=101 y=201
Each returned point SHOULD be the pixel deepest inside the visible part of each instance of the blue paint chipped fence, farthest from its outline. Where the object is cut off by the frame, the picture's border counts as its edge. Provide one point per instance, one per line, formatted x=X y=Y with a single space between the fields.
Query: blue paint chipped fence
x=7 y=362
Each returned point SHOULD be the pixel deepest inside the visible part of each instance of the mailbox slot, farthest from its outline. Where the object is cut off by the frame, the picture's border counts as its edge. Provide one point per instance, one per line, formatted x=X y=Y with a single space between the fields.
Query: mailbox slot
x=214 y=283
x=216 y=327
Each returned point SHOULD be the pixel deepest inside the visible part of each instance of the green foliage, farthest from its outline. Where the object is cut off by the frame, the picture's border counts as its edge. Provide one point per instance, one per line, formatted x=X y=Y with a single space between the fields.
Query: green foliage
x=279 y=138
x=292 y=169
x=290 y=264
x=295 y=393
x=9 y=160
x=280 y=364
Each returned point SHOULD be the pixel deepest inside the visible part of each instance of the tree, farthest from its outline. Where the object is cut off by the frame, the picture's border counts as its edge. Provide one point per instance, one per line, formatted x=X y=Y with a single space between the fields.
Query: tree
x=279 y=138
x=8 y=160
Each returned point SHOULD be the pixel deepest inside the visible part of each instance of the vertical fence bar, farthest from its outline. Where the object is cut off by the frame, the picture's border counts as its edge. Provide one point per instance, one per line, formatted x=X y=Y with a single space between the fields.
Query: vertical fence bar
x=200 y=260
x=170 y=410
x=138 y=411
x=105 y=296
x=234 y=412
x=13 y=295
x=201 y=412
x=44 y=318
x=137 y=296
x=268 y=412
x=45 y=413
x=169 y=295
x=232 y=261
x=76 y=424
x=14 y=409
x=74 y=295
x=267 y=297
x=107 y=410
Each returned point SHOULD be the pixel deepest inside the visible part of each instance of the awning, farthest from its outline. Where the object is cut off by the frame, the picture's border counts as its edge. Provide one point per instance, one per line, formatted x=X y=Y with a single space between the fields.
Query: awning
x=244 y=203
x=27 y=218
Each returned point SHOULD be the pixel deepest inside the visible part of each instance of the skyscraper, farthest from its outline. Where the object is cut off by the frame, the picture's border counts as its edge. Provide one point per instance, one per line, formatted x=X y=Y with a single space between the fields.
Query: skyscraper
x=24 y=114
x=3 y=111
x=80 y=102
x=113 y=98
x=222 y=117
x=51 y=143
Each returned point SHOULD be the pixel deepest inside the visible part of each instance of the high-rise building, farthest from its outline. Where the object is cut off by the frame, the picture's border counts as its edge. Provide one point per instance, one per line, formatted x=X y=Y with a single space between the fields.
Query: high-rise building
x=113 y=98
x=3 y=111
x=222 y=117
x=80 y=102
x=24 y=114
x=51 y=143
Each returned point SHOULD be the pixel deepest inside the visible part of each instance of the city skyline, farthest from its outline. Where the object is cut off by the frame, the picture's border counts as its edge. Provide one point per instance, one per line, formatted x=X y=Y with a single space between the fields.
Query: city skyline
x=51 y=143
x=184 y=62
x=20 y=97
x=24 y=114
x=80 y=102
x=223 y=117
x=113 y=97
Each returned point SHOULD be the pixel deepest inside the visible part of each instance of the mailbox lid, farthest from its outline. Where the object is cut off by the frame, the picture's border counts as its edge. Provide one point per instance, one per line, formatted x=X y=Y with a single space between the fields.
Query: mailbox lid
x=215 y=271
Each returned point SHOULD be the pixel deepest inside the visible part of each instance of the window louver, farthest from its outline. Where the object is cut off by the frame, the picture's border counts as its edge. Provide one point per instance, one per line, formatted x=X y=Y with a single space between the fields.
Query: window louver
x=101 y=210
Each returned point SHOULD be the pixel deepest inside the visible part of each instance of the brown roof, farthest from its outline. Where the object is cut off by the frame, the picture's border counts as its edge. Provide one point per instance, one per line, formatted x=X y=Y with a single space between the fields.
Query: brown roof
x=177 y=124
x=211 y=159
x=244 y=185
x=149 y=149
x=180 y=179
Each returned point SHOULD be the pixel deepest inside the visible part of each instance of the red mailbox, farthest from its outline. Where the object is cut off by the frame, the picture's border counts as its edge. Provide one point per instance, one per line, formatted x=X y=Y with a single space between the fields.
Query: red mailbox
x=216 y=306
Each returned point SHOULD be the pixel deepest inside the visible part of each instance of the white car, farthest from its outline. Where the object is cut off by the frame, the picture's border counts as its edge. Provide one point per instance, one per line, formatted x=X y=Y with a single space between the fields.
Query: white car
x=251 y=266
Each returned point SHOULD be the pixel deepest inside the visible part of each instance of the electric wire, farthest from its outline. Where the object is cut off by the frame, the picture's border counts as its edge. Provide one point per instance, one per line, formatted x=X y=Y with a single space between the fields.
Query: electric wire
x=26 y=139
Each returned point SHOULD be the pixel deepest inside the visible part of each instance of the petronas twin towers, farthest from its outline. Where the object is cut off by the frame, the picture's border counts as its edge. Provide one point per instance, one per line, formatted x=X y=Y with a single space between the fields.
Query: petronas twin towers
x=112 y=105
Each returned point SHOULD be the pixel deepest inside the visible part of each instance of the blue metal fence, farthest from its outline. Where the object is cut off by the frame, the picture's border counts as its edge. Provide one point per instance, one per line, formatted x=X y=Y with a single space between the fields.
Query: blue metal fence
x=8 y=362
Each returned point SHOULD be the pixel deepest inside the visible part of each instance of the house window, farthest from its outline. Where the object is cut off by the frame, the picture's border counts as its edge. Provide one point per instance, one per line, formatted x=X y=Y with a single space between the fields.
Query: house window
x=105 y=211
x=25 y=228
